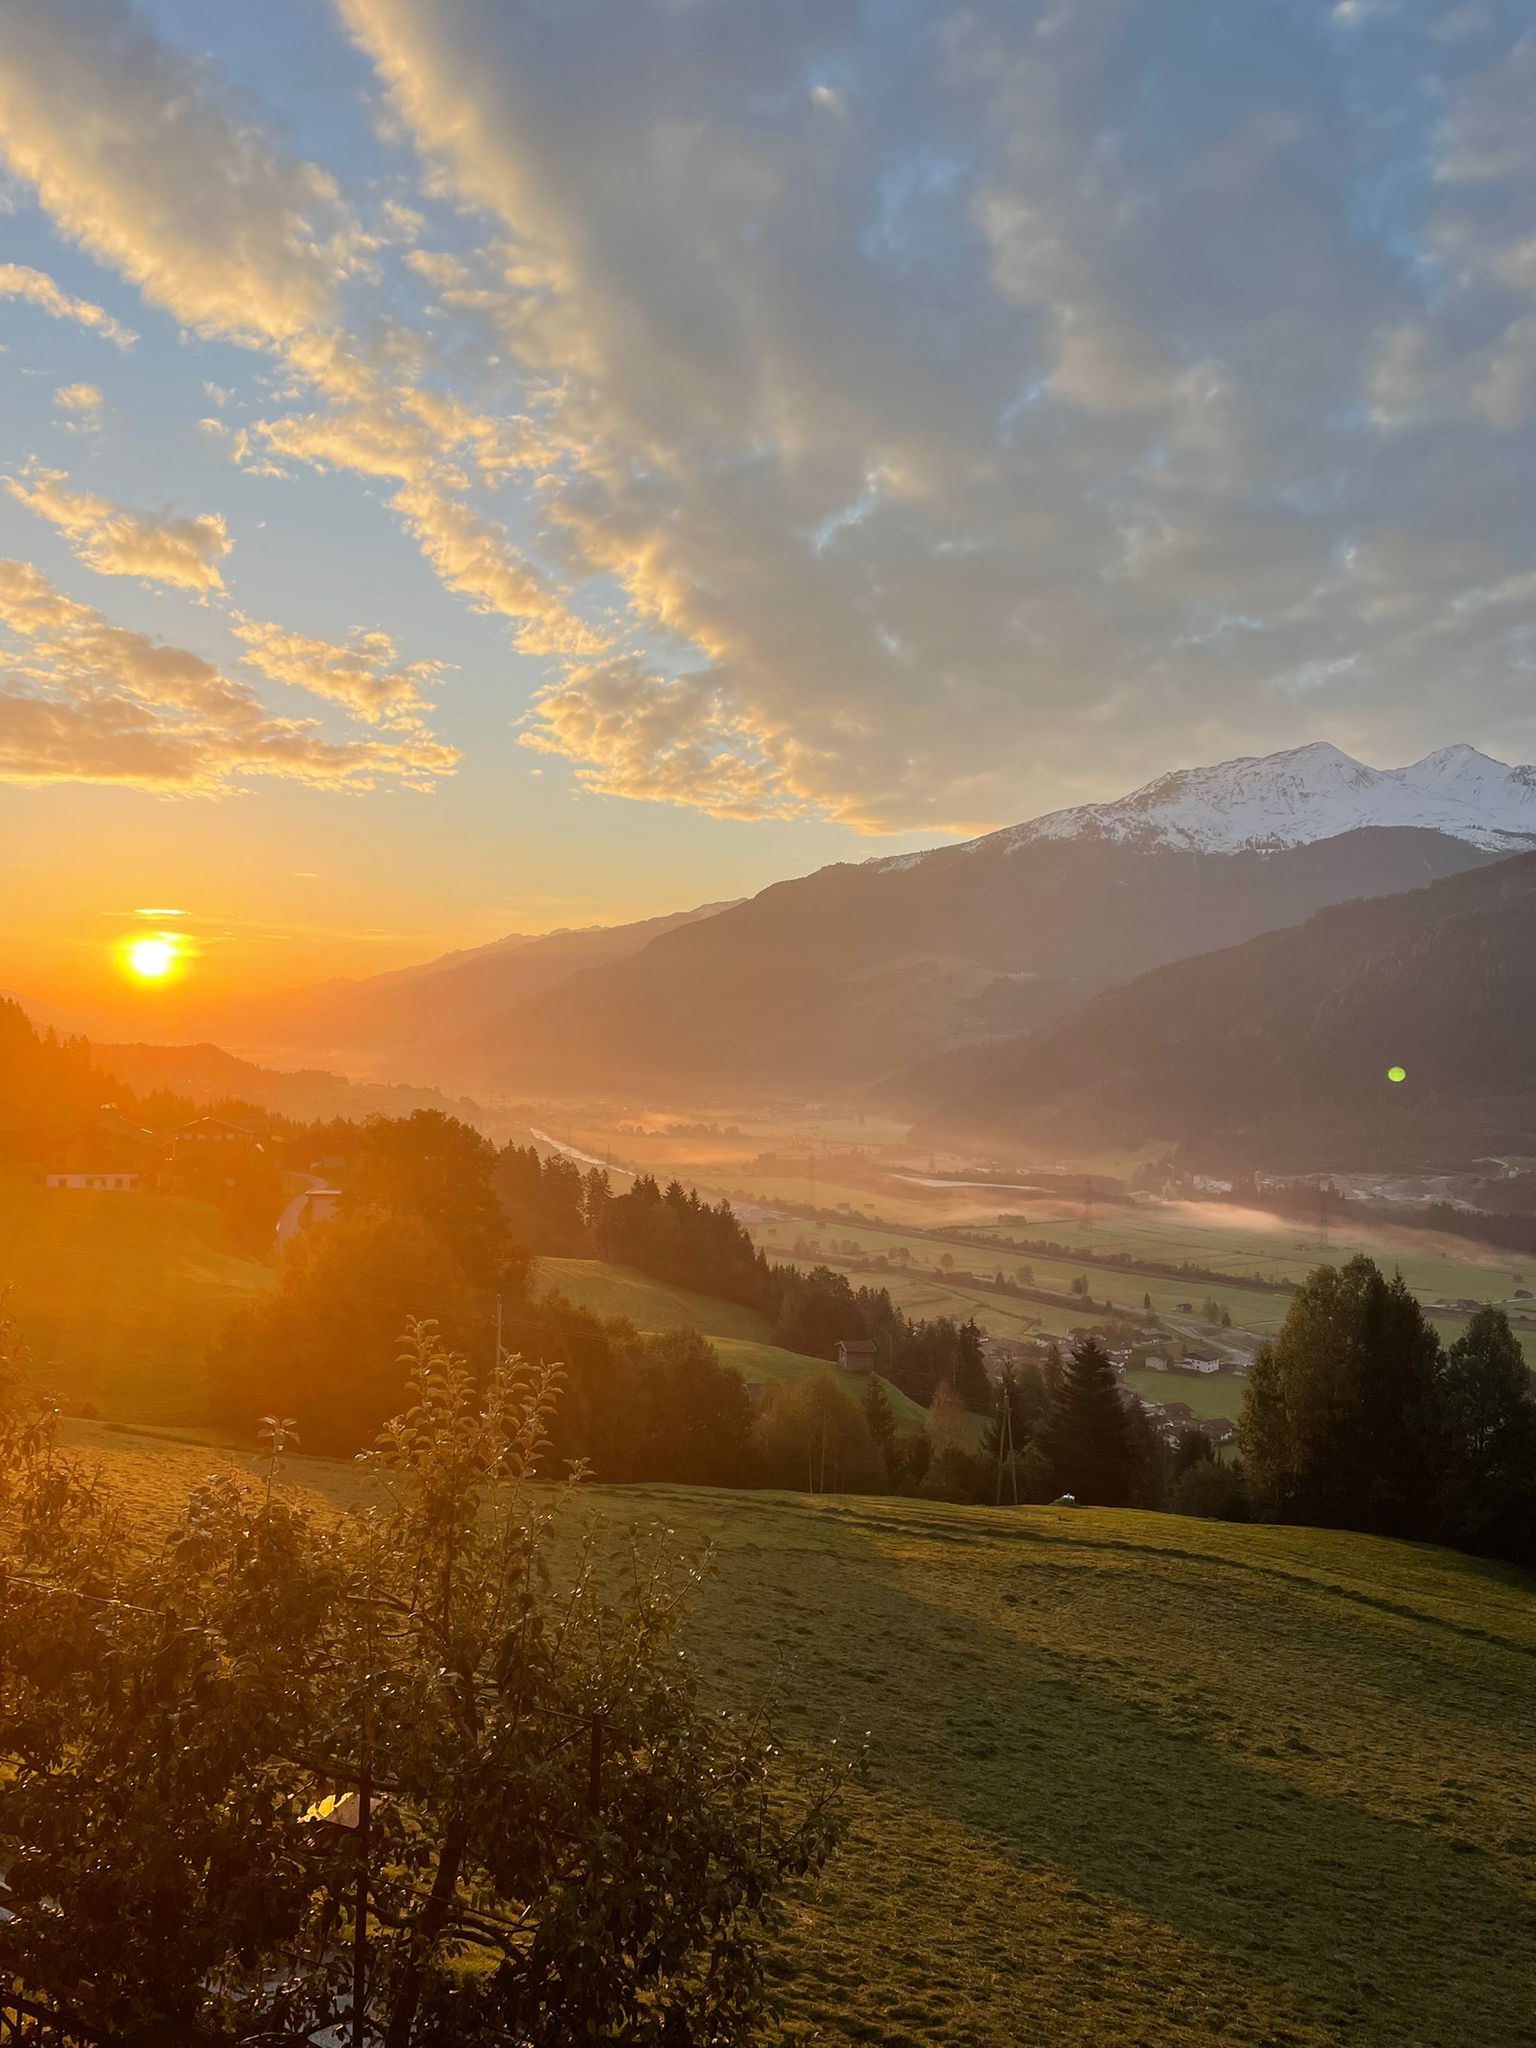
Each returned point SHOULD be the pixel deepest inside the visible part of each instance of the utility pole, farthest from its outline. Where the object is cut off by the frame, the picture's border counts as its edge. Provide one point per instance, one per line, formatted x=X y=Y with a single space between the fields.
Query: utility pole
x=1005 y=1450
x=498 y=1329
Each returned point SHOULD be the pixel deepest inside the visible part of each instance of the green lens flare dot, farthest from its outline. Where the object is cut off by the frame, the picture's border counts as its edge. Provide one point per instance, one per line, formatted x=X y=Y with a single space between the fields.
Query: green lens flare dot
x=1397 y=1073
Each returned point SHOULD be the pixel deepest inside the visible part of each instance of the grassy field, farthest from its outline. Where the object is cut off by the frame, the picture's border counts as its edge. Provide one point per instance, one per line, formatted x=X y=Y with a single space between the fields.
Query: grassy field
x=610 y=1291
x=1218 y=1393
x=121 y=1296
x=1219 y=1238
x=1094 y=1818
x=739 y=1335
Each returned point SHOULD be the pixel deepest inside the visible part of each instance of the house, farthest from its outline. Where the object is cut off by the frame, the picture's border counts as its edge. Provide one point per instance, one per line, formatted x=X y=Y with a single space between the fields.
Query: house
x=1202 y=1365
x=109 y=1154
x=212 y=1131
x=1217 y=1429
x=856 y=1354
x=1179 y=1413
x=1155 y=1362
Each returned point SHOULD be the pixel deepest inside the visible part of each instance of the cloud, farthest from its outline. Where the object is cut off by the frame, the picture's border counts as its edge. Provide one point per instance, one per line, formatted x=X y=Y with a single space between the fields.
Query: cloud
x=365 y=675
x=951 y=444
x=83 y=700
x=473 y=557
x=137 y=157
x=17 y=281
x=906 y=416
x=115 y=540
x=81 y=405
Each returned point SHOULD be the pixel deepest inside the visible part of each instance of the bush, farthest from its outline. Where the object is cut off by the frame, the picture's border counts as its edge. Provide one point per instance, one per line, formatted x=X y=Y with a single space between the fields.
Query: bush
x=1215 y=1492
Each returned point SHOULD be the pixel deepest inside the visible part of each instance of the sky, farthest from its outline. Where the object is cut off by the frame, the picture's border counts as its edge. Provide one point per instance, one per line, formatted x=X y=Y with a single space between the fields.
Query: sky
x=470 y=468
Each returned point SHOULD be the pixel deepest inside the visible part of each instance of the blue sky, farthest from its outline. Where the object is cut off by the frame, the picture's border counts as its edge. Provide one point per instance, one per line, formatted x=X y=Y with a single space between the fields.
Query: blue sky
x=475 y=468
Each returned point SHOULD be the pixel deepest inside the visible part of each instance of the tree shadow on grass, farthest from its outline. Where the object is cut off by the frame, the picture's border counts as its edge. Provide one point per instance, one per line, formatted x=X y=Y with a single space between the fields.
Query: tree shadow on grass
x=1387 y=1931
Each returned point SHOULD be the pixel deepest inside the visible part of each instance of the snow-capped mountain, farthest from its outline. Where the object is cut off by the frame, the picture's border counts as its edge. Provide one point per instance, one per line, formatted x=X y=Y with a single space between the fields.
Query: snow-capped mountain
x=825 y=983
x=1304 y=795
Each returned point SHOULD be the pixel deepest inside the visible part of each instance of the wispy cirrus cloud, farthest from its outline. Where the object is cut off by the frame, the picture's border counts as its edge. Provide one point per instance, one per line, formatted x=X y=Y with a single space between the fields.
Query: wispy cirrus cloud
x=83 y=700
x=117 y=540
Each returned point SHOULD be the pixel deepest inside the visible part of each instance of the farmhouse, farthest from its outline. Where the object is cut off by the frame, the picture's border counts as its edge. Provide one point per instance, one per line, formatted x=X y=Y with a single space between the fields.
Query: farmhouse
x=856 y=1354
x=109 y=1154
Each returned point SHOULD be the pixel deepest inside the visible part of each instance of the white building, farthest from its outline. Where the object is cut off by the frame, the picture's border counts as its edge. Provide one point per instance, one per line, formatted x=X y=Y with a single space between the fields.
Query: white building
x=117 y=1183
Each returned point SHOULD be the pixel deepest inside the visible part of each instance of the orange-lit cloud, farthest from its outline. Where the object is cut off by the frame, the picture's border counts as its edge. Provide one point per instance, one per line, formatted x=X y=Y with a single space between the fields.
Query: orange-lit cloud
x=86 y=701
x=365 y=675
x=116 y=540
x=19 y=281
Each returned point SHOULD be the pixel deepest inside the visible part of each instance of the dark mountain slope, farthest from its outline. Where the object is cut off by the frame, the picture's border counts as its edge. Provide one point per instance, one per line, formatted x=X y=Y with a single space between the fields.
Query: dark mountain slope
x=381 y=1024
x=1276 y=1052
x=831 y=981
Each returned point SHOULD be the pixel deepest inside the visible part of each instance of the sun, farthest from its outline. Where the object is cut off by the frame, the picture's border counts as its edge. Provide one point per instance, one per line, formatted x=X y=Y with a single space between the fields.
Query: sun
x=152 y=959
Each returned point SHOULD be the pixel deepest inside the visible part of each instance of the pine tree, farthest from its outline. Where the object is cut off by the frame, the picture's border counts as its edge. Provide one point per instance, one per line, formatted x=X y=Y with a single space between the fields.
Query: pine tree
x=1087 y=1436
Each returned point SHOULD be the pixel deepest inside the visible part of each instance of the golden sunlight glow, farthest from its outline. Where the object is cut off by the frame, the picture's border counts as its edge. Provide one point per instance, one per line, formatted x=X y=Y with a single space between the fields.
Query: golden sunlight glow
x=152 y=959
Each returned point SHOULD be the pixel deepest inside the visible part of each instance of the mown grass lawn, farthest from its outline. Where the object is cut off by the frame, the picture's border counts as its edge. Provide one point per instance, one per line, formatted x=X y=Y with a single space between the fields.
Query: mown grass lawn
x=1134 y=1779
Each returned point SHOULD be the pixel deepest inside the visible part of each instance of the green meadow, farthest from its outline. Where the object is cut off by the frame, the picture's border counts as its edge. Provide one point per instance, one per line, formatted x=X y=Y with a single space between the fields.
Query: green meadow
x=740 y=1335
x=121 y=1296
x=1132 y=1779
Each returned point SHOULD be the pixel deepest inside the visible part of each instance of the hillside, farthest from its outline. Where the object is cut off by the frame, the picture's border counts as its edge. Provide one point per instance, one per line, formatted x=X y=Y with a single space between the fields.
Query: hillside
x=382 y=1024
x=1092 y=1815
x=1277 y=1052
x=206 y=1073
x=850 y=973
x=121 y=1296
x=740 y=1335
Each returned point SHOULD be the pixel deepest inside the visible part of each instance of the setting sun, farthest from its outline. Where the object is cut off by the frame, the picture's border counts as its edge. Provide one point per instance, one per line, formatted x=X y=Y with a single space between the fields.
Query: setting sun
x=152 y=959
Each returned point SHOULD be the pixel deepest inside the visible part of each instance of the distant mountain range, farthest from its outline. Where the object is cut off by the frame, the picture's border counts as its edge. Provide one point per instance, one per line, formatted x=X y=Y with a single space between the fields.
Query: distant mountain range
x=1280 y=1052
x=1297 y=798
x=396 y=1025
x=825 y=984
x=841 y=981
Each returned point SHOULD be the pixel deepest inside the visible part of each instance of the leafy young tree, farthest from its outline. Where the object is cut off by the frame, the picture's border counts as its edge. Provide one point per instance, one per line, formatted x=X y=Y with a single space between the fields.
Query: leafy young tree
x=881 y=1424
x=688 y=1417
x=318 y=1344
x=442 y=1172
x=543 y=1792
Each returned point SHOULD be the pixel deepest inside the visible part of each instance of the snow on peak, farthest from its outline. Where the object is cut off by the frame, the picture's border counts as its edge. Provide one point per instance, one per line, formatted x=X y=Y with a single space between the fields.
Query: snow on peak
x=1310 y=793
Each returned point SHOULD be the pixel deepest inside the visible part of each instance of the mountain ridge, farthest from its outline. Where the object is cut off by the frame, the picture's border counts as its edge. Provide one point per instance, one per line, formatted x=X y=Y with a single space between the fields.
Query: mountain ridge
x=1281 y=1052
x=1296 y=797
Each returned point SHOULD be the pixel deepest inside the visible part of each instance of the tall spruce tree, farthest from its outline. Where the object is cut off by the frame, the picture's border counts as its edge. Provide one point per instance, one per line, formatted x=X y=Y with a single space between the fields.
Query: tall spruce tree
x=1088 y=1437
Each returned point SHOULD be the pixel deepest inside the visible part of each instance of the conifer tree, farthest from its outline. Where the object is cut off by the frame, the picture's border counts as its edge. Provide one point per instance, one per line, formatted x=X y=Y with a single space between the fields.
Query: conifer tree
x=1087 y=1436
